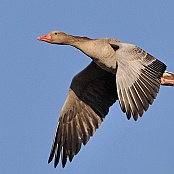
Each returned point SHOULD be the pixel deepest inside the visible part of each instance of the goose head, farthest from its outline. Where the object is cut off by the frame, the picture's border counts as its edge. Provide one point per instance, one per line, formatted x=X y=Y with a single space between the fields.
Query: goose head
x=54 y=37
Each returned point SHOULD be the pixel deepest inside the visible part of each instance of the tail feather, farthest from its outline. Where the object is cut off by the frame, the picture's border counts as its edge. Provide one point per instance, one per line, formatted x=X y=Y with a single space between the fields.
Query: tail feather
x=167 y=79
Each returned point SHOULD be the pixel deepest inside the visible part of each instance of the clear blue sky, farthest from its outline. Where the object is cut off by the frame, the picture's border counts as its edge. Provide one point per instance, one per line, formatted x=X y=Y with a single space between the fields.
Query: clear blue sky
x=35 y=77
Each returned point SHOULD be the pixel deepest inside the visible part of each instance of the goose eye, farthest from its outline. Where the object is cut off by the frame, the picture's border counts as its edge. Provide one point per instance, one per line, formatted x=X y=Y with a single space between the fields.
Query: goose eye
x=55 y=33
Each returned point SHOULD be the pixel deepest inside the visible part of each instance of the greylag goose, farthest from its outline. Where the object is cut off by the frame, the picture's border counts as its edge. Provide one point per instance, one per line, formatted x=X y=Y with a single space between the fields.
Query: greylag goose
x=118 y=71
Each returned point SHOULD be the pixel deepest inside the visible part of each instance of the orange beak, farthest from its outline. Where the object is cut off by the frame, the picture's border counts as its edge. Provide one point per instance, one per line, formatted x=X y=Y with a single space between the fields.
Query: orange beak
x=45 y=38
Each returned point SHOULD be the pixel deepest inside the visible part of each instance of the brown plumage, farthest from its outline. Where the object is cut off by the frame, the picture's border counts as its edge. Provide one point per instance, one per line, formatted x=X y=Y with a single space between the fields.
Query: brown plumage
x=118 y=71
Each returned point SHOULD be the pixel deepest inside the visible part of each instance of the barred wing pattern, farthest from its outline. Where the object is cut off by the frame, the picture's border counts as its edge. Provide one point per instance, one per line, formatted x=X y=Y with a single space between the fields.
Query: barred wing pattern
x=137 y=78
x=88 y=102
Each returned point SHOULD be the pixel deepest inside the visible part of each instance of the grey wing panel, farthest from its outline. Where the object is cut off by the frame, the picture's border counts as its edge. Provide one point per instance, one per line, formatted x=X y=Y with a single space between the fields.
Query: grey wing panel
x=137 y=79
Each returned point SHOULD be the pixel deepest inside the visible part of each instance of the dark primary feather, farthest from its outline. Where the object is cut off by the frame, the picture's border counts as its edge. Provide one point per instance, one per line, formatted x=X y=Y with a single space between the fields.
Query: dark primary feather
x=86 y=106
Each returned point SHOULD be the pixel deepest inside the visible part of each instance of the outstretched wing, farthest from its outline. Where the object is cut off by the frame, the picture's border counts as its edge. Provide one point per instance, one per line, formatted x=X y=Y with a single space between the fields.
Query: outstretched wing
x=91 y=93
x=137 y=78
